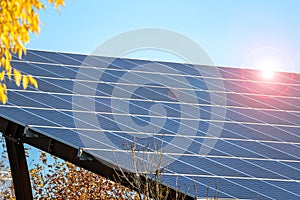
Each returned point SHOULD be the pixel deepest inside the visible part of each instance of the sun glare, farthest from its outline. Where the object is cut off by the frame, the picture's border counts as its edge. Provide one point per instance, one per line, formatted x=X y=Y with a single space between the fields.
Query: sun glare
x=268 y=69
x=267 y=74
x=268 y=63
x=268 y=60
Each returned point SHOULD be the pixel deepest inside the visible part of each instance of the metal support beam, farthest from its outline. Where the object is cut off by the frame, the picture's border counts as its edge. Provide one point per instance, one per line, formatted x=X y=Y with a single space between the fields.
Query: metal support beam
x=17 y=160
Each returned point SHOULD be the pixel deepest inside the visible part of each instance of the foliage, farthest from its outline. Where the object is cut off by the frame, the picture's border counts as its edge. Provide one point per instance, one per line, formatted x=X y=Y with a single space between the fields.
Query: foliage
x=6 y=186
x=52 y=178
x=18 y=18
x=60 y=180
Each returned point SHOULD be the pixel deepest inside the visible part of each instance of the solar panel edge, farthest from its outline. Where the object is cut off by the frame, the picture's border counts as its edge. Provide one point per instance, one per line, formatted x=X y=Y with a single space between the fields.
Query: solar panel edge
x=158 y=61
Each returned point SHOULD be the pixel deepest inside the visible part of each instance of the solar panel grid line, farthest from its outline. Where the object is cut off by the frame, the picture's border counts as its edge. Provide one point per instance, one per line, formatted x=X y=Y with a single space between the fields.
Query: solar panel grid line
x=64 y=55
x=172 y=108
x=70 y=57
x=26 y=125
x=165 y=135
x=44 y=118
x=185 y=65
x=96 y=67
x=136 y=115
x=277 y=160
x=179 y=89
x=232 y=177
x=188 y=94
x=297 y=106
x=294 y=112
x=194 y=166
x=290 y=91
x=127 y=70
x=154 y=86
x=231 y=143
x=250 y=94
x=202 y=77
x=58 y=139
x=248 y=177
x=235 y=72
x=106 y=144
x=226 y=178
x=198 y=155
x=157 y=101
x=290 y=166
x=29 y=125
x=157 y=116
x=184 y=75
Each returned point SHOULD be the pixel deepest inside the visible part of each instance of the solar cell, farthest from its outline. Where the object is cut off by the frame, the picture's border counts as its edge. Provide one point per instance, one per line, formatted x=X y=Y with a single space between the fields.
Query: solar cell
x=216 y=126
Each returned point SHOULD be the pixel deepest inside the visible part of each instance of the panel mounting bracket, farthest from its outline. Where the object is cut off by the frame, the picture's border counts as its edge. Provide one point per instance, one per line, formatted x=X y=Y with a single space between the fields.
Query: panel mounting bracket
x=28 y=133
x=81 y=155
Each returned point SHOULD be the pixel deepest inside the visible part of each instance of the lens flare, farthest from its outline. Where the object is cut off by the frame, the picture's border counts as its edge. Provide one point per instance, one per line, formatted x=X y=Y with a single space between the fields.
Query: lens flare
x=267 y=74
x=267 y=78
x=268 y=69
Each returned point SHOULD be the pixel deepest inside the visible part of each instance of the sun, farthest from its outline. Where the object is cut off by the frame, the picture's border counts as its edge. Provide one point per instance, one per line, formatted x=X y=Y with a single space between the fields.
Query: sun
x=268 y=60
x=268 y=69
x=267 y=64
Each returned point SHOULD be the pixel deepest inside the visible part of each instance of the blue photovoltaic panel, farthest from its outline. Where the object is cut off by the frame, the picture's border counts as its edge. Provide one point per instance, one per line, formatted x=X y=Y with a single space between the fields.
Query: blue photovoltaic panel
x=220 y=128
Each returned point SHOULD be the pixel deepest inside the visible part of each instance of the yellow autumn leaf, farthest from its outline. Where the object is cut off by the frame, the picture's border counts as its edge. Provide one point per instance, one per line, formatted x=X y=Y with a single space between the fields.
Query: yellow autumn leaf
x=18 y=19
x=2 y=60
x=2 y=75
x=32 y=81
x=4 y=88
x=7 y=65
x=57 y=3
x=18 y=77
x=9 y=74
x=20 y=53
x=3 y=96
x=25 y=82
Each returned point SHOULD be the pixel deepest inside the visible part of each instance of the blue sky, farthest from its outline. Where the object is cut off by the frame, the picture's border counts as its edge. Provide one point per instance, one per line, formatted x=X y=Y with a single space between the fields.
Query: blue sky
x=233 y=33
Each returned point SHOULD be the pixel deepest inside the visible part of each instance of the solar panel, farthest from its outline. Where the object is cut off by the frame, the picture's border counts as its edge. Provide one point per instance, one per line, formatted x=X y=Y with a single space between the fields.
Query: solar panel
x=225 y=129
